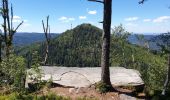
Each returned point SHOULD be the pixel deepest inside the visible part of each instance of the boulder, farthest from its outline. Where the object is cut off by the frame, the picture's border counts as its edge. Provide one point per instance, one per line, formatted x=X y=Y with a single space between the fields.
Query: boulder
x=84 y=77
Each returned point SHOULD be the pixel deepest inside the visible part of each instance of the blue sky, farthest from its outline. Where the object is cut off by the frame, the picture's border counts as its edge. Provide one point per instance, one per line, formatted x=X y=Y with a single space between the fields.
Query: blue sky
x=151 y=17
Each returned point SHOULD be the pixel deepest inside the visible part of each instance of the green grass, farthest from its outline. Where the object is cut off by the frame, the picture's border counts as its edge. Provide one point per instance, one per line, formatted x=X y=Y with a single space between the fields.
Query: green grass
x=16 y=96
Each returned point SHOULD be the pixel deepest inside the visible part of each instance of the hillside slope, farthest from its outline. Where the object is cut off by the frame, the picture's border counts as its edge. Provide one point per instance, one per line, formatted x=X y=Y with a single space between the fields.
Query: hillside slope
x=23 y=39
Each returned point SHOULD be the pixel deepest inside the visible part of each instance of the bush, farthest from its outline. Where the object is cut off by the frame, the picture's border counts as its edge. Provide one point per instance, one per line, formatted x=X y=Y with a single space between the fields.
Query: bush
x=102 y=87
x=14 y=70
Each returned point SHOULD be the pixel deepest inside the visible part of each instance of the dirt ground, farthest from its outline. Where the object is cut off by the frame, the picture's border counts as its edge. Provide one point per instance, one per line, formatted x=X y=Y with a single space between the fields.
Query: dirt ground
x=92 y=94
x=85 y=92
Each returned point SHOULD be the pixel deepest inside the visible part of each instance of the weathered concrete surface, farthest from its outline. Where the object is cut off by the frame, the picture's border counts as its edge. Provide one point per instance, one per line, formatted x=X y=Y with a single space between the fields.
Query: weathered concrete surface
x=83 y=77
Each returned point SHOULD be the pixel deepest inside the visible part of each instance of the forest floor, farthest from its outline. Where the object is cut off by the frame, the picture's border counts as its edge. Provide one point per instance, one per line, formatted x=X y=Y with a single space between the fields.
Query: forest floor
x=90 y=93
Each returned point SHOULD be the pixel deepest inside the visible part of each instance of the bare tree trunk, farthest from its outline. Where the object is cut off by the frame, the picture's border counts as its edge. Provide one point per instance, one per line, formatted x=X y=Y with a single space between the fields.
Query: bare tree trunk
x=0 y=50
x=9 y=31
x=47 y=36
x=167 y=77
x=105 y=75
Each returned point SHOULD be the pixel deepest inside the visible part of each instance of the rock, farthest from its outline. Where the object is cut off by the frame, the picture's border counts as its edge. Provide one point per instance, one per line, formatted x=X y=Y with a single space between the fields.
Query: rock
x=72 y=90
x=85 y=77
x=128 y=97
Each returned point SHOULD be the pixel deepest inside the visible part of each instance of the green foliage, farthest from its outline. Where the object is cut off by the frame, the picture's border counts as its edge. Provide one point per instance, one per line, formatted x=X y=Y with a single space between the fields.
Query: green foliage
x=17 y=96
x=102 y=87
x=80 y=46
x=14 y=70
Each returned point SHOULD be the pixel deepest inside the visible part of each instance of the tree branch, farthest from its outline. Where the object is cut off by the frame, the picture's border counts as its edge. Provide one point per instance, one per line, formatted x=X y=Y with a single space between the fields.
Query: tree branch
x=43 y=26
x=142 y=1
x=18 y=27
x=97 y=1
x=12 y=15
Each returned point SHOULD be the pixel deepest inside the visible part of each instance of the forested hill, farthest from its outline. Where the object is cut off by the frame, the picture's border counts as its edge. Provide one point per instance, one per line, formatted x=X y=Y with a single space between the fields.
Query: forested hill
x=81 y=47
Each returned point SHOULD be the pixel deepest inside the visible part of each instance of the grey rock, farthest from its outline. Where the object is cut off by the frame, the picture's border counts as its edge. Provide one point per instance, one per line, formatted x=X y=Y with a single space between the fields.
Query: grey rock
x=126 y=97
x=84 y=77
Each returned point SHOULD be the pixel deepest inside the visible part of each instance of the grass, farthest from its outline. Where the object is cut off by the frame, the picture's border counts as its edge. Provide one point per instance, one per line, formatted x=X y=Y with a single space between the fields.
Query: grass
x=50 y=96
x=17 y=96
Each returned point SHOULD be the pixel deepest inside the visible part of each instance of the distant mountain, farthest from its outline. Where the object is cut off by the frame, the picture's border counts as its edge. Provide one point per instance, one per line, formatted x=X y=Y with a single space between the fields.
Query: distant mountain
x=133 y=40
x=22 y=39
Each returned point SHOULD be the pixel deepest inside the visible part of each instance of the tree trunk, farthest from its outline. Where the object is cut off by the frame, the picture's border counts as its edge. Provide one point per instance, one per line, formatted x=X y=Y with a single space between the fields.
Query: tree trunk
x=167 y=77
x=46 y=32
x=105 y=75
x=46 y=52
x=0 y=51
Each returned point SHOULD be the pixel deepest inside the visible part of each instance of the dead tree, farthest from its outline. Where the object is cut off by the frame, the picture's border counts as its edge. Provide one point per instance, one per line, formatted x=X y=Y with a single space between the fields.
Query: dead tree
x=47 y=36
x=8 y=28
x=105 y=75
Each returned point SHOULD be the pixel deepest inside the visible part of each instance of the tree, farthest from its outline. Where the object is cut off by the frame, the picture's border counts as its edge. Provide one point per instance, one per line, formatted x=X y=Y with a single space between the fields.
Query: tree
x=163 y=41
x=8 y=28
x=47 y=36
x=121 y=36
x=105 y=75
x=140 y=38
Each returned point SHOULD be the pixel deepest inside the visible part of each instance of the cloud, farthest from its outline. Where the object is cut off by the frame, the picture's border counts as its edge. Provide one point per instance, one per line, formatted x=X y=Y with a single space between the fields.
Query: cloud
x=131 y=24
x=66 y=19
x=82 y=17
x=131 y=19
x=63 y=18
x=71 y=19
x=16 y=21
x=25 y=21
x=161 y=19
x=16 y=17
x=147 y=20
x=92 y=12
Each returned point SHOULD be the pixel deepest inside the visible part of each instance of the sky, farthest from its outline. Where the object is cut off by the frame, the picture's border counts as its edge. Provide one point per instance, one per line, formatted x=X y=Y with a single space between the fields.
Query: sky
x=151 y=17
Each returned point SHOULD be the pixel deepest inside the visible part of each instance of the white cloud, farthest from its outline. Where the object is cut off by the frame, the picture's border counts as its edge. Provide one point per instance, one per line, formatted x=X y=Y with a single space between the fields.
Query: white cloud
x=131 y=19
x=146 y=20
x=16 y=20
x=82 y=17
x=16 y=17
x=92 y=12
x=25 y=21
x=71 y=19
x=131 y=24
x=62 y=18
x=66 y=19
x=161 y=19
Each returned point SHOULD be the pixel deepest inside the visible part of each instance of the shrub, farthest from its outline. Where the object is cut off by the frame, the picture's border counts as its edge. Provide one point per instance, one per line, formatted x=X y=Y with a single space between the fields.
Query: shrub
x=14 y=70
